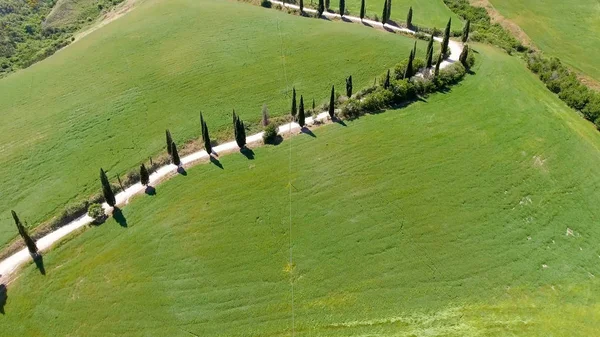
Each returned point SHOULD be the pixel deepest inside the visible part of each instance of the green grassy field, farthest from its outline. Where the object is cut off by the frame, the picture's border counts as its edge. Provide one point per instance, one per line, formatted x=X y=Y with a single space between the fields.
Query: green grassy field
x=569 y=30
x=106 y=100
x=433 y=220
x=428 y=13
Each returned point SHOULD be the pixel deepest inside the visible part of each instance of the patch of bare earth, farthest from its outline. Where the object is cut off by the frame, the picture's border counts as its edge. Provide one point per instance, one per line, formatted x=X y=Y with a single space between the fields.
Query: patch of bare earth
x=117 y=12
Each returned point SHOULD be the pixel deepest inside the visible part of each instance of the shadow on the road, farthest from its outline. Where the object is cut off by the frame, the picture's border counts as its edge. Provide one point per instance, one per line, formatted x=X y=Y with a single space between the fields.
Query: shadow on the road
x=39 y=263
x=247 y=152
x=3 y=298
x=119 y=217
x=150 y=190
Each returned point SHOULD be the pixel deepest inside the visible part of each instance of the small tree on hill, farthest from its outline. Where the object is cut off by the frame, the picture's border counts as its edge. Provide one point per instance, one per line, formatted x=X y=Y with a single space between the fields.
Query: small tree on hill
x=342 y=7
x=438 y=64
x=107 y=191
x=409 y=18
x=429 y=55
x=464 y=55
x=409 y=71
x=265 y=115
x=349 y=86
x=31 y=246
x=446 y=39
x=239 y=131
x=332 y=102
x=294 y=109
x=362 y=9
x=384 y=14
x=327 y=4
x=465 y=32
x=414 y=50
x=389 y=10
x=175 y=155
x=169 y=141
x=320 y=8
x=301 y=116
x=314 y=109
x=206 y=138
x=386 y=84
x=144 y=175
x=301 y=5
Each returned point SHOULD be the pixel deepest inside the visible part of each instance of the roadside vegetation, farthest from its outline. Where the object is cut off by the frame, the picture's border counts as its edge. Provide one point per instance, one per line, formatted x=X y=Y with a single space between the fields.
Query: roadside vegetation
x=433 y=221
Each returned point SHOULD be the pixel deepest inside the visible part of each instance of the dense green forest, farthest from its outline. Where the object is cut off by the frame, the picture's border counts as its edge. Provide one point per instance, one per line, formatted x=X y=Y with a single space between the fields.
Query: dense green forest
x=31 y=30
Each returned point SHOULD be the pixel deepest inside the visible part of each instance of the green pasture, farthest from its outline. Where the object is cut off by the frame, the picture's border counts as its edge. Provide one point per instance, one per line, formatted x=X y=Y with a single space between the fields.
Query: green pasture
x=470 y=213
x=569 y=30
x=106 y=100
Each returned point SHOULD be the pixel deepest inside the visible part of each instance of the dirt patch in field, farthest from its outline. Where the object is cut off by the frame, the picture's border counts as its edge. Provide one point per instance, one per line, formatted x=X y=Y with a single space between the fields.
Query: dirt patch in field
x=512 y=27
x=117 y=12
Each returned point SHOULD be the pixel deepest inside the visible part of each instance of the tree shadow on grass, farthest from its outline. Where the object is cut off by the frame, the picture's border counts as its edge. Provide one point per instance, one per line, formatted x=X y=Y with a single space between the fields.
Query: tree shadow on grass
x=307 y=131
x=39 y=263
x=3 y=298
x=151 y=191
x=181 y=171
x=216 y=161
x=119 y=217
x=339 y=121
x=248 y=153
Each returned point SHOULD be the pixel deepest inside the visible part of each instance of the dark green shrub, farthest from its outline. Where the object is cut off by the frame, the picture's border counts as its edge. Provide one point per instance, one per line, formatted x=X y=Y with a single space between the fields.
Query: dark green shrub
x=270 y=136
x=96 y=212
x=265 y=3
x=352 y=109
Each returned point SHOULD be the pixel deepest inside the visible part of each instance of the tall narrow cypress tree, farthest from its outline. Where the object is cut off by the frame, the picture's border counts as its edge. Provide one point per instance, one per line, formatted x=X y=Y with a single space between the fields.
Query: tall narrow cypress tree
x=414 y=51
x=362 y=9
x=314 y=107
x=301 y=117
x=437 y=64
x=464 y=55
x=332 y=102
x=175 y=155
x=144 y=175
x=465 y=32
x=107 y=191
x=429 y=54
x=240 y=131
x=320 y=8
x=389 y=10
x=301 y=6
x=409 y=18
x=31 y=246
x=349 y=86
x=342 y=7
x=384 y=14
x=386 y=84
x=408 y=73
x=327 y=4
x=446 y=39
x=206 y=139
x=169 y=141
x=294 y=109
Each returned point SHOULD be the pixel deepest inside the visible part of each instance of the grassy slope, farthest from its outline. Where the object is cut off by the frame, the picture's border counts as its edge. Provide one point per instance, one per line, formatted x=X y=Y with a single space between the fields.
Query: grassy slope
x=68 y=12
x=106 y=100
x=567 y=29
x=414 y=221
x=427 y=13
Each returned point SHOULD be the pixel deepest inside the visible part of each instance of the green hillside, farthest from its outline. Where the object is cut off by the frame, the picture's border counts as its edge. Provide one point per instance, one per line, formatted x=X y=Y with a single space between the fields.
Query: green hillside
x=472 y=213
x=106 y=100
x=569 y=30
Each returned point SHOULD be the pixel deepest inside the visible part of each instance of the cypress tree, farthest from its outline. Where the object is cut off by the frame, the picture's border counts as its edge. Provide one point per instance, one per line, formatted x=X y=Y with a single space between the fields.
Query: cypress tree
x=465 y=32
x=175 y=155
x=332 y=102
x=414 y=51
x=144 y=176
x=408 y=73
x=437 y=64
x=301 y=6
x=446 y=38
x=389 y=10
x=386 y=84
x=169 y=141
x=31 y=246
x=384 y=15
x=240 y=131
x=463 y=56
x=342 y=7
x=321 y=8
x=327 y=4
x=265 y=115
x=409 y=18
x=206 y=138
x=349 y=86
x=301 y=116
x=294 y=109
x=107 y=191
x=313 y=108
x=362 y=9
x=429 y=55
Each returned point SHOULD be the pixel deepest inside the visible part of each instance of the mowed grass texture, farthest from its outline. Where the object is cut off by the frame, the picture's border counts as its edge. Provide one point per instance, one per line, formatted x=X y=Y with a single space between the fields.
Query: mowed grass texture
x=433 y=220
x=569 y=30
x=106 y=100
